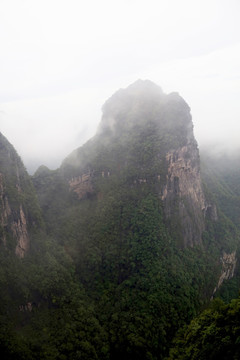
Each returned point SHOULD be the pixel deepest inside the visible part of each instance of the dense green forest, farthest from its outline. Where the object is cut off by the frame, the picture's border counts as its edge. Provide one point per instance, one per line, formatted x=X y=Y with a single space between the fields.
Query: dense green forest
x=123 y=246
x=215 y=334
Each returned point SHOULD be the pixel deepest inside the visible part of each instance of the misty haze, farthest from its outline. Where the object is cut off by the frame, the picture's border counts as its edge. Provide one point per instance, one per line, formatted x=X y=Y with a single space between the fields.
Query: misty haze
x=119 y=180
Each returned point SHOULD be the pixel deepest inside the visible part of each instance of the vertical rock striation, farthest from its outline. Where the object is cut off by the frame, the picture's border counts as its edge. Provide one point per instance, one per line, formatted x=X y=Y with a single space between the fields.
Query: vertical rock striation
x=20 y=232
x=18 y=206
x=229 y=262
x=183 y=194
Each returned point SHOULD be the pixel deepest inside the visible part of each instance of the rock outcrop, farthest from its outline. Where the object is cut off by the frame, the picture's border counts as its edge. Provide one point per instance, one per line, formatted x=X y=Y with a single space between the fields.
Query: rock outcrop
x=143 y=117
x=228 y=264
x=81 y=185
x=13 y=223
x=183 y=194
x=5 y=210
x=17 y=196
x=20 y=232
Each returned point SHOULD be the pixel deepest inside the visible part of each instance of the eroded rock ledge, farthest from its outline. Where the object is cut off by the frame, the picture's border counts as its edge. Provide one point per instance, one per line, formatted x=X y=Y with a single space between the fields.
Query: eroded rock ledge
x=81 y=185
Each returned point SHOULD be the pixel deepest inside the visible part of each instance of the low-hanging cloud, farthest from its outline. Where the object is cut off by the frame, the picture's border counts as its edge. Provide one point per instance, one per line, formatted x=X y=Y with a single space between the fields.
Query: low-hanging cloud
x=55 y=78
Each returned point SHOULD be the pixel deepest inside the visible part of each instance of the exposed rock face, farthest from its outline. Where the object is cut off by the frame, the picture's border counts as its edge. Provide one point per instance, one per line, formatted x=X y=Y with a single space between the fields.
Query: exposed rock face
x=13 y=222
x=229 y=262
x=20 y=232
x=183 y=193
x=16 y=198
x=5 y=210
x=157 y=120
x=81 y=185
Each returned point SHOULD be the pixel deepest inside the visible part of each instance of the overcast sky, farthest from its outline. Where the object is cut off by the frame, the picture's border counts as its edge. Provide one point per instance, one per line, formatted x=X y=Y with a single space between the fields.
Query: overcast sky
x=61 y=59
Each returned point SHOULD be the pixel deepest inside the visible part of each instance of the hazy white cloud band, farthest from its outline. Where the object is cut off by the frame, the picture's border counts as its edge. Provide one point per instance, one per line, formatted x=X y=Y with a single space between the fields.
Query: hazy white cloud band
x=60 y=60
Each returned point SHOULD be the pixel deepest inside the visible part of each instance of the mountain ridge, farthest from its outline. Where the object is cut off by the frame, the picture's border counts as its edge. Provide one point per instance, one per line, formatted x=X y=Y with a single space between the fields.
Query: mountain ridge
x=132 y=244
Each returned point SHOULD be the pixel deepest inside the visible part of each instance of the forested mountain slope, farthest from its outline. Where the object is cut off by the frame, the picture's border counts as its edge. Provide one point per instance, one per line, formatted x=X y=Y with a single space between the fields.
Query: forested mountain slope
x=221 y=174
x=130 y=245
x=41 y=302
x=215 y=334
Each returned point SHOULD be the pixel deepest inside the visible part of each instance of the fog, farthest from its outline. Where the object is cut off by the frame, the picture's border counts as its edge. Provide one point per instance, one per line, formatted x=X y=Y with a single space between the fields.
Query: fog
x=61 y=60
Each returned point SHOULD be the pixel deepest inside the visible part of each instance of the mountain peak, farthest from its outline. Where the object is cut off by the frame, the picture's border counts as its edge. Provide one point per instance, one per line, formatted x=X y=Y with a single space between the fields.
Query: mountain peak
x=144 y=85
x=143 y=102
x=144 y=89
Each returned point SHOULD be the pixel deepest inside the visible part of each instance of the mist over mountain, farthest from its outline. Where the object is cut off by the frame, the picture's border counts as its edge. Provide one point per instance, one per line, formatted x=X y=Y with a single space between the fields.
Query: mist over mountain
x=110 y=255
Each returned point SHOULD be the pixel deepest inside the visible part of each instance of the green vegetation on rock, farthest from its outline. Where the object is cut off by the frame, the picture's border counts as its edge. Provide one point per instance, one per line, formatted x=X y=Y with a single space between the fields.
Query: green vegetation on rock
x=125 y=242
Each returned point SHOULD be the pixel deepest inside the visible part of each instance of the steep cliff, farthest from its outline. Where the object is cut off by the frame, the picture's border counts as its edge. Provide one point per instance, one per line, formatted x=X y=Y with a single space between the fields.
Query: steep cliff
x=130 y=210
x=183 y=193
x=19 y=210
x=145 y=139
x=147 y=136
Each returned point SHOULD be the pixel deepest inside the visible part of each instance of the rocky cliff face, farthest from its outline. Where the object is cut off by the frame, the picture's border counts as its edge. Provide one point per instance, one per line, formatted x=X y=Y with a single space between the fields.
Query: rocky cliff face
x=20 y=233
x=81 y=185
x=228 y=262
x=13 y=224
x=125 y=206
x=183 y=194
x=160 y=126
x=16 y=198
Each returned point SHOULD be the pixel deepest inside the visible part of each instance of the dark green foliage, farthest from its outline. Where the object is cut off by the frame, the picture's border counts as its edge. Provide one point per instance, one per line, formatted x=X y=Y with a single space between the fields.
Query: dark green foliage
x=107 y=276
x=215 y=334
x=142 y=285
x=222 y=177
x=222 y=174
x=50 y=316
